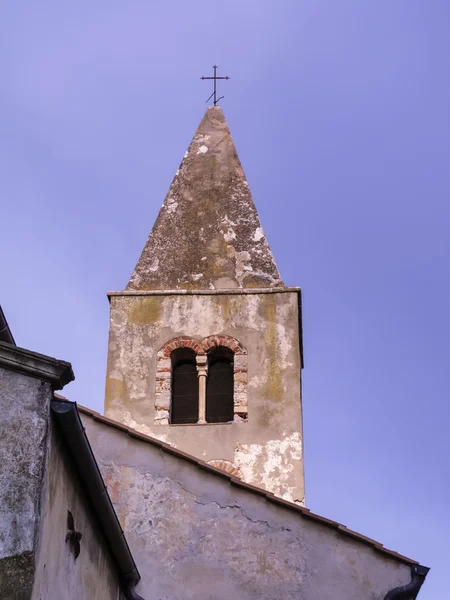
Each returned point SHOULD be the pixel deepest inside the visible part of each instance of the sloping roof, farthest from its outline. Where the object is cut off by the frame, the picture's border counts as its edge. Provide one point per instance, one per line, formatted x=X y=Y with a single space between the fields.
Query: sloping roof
x=208 y=234
x=5 y=331
x=303 y=512
x=69 y=423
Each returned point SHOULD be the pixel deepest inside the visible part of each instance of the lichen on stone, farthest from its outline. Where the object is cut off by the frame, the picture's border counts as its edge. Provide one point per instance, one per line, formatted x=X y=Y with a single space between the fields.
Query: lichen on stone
x=208 y=234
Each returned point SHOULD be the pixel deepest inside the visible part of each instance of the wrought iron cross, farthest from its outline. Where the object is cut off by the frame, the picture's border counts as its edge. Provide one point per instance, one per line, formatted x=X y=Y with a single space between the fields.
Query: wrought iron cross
x=215 y=78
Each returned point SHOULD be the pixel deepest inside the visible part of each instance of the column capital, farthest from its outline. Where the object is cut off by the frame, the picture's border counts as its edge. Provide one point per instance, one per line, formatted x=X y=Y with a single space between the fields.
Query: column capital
x=202 y=365
x=201 y=360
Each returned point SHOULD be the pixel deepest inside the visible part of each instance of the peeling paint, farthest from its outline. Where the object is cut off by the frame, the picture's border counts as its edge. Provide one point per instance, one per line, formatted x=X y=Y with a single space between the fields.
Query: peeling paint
x=172 y=205
x=138 y=392
x=229 y=235
x=154 y=265
x=258 y=235
x=128 y=420
x=186 y=525
x=276 y=460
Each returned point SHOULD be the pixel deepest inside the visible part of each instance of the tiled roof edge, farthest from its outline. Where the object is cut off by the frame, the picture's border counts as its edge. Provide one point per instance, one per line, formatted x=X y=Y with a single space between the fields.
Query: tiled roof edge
x=304 y=512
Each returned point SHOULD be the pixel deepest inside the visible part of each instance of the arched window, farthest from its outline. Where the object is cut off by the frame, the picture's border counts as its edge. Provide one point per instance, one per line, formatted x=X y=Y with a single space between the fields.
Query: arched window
x=201 y=381
x=184 y=405
x=220 y=385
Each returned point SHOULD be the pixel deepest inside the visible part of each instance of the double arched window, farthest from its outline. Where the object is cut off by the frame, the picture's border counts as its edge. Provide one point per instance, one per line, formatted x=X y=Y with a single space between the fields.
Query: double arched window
x=217 y=403
x=201 y=381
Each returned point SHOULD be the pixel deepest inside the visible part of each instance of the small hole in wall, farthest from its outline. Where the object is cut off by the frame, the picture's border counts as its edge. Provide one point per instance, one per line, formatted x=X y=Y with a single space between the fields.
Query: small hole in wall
x=73 y=537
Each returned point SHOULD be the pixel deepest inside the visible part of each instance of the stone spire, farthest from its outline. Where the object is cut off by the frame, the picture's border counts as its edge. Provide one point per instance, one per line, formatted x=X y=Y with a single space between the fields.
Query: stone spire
x=208 y=234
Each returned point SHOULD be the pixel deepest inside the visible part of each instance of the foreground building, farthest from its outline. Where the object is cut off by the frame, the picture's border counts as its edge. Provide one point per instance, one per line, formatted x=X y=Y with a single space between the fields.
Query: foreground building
x=200 y=447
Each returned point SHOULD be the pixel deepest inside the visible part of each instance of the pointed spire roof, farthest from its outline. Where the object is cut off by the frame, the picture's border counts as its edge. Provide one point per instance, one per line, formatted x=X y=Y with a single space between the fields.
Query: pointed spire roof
x=208 y=234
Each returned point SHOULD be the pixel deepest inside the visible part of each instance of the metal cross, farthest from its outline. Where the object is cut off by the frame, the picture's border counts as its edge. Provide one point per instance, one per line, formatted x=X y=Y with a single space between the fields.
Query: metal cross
x=215 y=78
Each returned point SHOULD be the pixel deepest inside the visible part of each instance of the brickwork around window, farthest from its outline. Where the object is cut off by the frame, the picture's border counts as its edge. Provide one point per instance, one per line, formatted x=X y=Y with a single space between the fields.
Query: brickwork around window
x=163 y=394
x=227 y=466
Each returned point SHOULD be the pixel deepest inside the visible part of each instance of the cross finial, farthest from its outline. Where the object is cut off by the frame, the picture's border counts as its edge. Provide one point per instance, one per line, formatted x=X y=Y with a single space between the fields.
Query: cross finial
x=215 y=78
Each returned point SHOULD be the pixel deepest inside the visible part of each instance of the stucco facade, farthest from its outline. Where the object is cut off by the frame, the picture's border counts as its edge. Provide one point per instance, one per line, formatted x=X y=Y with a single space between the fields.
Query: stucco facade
x=24 y=416
x=195 y=534
x=265 y=446
x=38 y=486
x=59 y=574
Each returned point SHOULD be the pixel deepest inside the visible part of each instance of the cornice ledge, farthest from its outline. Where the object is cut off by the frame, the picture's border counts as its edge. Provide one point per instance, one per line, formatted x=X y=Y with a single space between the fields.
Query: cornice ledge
x=206 y=292
x=57 y=372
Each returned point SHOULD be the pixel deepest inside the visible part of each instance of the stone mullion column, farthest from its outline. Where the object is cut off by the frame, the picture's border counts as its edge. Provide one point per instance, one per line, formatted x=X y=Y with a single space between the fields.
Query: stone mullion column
x=202 y=371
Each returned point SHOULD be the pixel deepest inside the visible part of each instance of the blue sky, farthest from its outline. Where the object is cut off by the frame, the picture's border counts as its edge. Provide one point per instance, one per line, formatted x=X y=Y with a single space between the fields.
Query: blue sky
x=340 y=113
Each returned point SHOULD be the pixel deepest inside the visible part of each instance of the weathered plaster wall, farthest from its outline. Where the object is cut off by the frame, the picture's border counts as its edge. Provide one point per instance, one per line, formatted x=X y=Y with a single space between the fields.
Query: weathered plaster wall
x=58 y=574
x=24 y=409
x=37 y=487
x=268 y=448
x=194 y=535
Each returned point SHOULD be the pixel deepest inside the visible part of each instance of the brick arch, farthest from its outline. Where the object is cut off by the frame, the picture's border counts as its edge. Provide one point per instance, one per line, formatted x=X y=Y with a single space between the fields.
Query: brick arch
x=223 y=340
x=183 y=341
x=163 y=391
x=227 y=466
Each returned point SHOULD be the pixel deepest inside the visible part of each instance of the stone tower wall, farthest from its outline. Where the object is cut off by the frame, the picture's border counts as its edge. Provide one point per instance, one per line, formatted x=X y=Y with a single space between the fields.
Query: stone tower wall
x=265 y=448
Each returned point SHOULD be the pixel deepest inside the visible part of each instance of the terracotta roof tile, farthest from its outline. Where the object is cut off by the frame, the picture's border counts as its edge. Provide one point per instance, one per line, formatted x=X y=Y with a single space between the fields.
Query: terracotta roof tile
x=345 y=531
x=203 y=465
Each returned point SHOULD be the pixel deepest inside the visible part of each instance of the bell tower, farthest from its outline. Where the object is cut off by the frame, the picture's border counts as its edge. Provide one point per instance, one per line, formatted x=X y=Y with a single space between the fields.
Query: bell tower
x=205 y=349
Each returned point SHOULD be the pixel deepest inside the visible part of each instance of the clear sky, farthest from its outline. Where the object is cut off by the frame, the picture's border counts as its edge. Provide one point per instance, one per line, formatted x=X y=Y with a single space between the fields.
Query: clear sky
x=340 y=114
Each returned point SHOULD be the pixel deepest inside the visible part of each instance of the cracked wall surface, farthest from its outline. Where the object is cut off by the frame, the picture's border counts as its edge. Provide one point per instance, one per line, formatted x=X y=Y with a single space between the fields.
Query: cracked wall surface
x=266 y=447
x=193 y=535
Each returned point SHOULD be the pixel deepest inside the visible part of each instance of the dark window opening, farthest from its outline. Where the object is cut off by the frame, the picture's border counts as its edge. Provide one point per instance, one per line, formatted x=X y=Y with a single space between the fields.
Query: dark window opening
x=184 y=406
x=220 y=385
